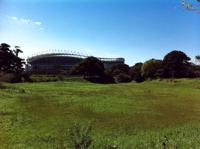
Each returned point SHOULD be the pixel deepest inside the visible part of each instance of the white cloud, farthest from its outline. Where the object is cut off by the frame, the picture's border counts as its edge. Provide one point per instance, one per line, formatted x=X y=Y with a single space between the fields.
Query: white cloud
x=37 y=23
x=25 y=21
x=14 y=18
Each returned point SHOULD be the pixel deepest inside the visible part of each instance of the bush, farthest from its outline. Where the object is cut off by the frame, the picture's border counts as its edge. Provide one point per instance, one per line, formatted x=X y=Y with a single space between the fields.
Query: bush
x=44 y=78
x=135 y=72
x=79 y=137
x=197 y=74
x=15 y=78
x=152 y=69
x=10 y=77
x=26 y=77
x=117 y=72
x=176 y=64
x=105 y=79
x=123 y=78
x=119 y=68
x=2 y=86
x=89 y=67
x=61 y=77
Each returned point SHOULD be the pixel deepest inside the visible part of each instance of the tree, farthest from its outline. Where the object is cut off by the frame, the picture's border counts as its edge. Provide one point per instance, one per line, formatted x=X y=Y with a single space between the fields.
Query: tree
x=176 y=64
x=120 y=72
x=192 y=5
x=89 y=67
x=122 y=77
x=197 y=59
x=151 y=68
x=135 y=72
x=9 y=60
x=118 y=69
x=17 y=50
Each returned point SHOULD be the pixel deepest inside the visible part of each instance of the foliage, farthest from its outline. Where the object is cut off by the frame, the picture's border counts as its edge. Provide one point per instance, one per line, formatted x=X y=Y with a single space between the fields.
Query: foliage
x=119 y=68
x=79 y=137
x=104 y=79
x=176 y=64
x=120 y=72
x=75 y=70
x=135 y=72
x=122 y=77
x=2 y=86
x=151 y=68
x=89 y=67
x=194 y=71
x=11 y=66
x=10 y=77
x=9 y=60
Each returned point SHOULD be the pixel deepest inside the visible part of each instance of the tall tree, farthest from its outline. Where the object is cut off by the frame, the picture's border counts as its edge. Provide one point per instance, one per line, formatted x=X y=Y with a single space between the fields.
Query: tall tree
x=151 y=68
x=135 y=72
x=176 y=64
x=119 y=68
x=9 y=60
x=90 y=67
x=17 y=50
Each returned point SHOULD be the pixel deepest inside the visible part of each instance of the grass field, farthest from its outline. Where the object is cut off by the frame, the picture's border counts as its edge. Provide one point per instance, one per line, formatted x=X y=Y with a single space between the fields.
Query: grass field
x=153 y=114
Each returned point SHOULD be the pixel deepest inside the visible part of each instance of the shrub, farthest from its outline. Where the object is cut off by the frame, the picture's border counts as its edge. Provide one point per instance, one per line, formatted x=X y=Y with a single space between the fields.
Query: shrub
x=176 y=64
x=135 y=72
x=152 y=69
x=26 y=77
x=2 y=86
x=123 y=78
x=44 y=78
x=197 y=74
x=119 y=68
x=61 y=77
x=89 y=67
x=79 y=137
x=105 y=79
x=9 y=77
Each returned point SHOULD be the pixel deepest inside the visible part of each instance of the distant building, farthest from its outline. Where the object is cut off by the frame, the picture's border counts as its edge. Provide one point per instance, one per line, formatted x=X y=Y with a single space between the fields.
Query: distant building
x=52 y=63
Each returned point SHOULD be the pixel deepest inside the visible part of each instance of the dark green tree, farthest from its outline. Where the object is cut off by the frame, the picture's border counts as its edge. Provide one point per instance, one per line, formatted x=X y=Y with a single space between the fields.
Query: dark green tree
x=135 y=72
x=89 y=67
x=118 y=69
x=122 y=78
x=176 y=64
x=120 y=72
x=9 y=60
x=151 y=68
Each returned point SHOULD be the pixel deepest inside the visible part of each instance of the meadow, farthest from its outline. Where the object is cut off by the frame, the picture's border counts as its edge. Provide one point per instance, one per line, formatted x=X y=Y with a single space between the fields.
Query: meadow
x=153 y=114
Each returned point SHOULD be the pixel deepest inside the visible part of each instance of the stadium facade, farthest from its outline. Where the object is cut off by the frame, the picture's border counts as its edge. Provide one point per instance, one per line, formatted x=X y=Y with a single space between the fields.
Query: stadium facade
x=55 y=62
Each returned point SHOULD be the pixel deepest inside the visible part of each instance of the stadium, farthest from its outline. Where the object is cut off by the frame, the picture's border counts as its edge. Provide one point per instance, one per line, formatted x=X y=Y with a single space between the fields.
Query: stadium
x=55 y=62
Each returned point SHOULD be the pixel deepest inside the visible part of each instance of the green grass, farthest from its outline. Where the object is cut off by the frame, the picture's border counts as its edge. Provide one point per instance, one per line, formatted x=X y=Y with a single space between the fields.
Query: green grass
x=153 y=114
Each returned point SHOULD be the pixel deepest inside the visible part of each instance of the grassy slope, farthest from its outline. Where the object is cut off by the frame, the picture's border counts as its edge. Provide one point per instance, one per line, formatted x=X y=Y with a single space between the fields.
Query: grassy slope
x=149 y=114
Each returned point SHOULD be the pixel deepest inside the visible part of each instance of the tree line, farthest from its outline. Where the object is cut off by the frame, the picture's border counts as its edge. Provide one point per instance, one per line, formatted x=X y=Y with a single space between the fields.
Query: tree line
x=175 y=64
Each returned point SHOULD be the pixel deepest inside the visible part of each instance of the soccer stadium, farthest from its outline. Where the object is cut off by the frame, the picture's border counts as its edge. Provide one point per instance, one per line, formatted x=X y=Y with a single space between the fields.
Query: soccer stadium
x=54 y=62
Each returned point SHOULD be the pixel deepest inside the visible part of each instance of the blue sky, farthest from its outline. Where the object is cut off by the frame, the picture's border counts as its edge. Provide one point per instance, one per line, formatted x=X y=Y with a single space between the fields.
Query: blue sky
x=134 y=29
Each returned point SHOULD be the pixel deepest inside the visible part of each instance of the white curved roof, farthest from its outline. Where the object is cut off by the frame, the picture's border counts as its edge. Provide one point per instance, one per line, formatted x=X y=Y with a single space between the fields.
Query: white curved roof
x=46 y=55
